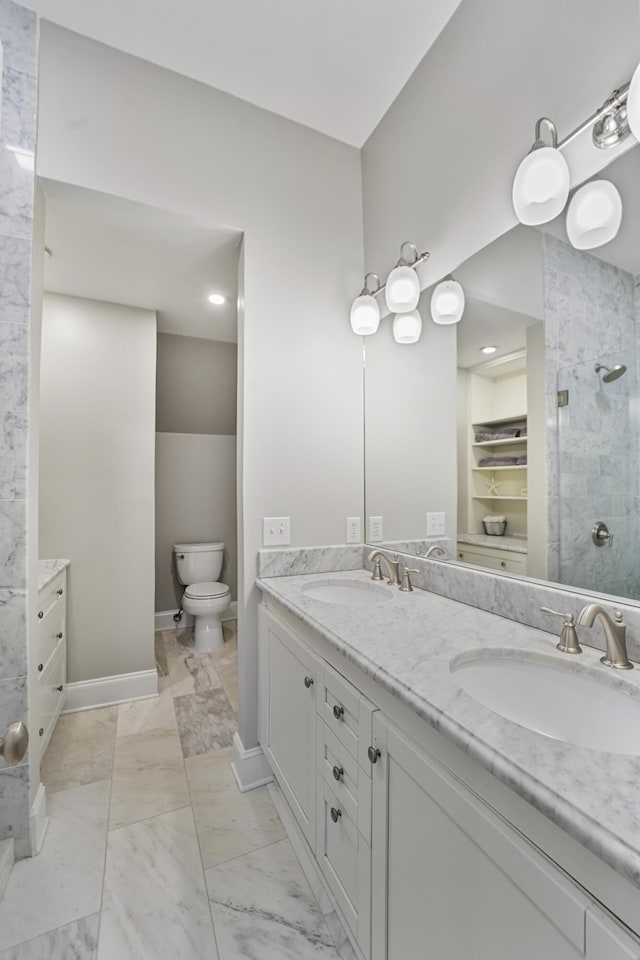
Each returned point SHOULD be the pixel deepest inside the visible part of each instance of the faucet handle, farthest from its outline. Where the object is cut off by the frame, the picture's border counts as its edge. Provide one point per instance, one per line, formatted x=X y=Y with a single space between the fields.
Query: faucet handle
x=407 y=586
x=377 y=570
x=568 y=641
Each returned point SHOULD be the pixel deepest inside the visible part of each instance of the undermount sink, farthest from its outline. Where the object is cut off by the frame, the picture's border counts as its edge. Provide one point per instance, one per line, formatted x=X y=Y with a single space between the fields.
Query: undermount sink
x=349 y=593
x=565 y=704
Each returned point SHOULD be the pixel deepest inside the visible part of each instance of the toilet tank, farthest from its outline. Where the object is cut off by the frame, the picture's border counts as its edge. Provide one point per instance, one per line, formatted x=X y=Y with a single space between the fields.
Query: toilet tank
x=198 y=562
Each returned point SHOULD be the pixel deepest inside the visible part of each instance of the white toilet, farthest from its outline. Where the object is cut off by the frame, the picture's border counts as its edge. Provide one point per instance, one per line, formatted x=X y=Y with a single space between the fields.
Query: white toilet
x=198 y=566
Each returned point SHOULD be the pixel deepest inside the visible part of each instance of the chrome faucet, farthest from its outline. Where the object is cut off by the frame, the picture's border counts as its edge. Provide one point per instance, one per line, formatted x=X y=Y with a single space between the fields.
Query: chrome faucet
x=615 y=632
x=435 y=551
x=393 y=566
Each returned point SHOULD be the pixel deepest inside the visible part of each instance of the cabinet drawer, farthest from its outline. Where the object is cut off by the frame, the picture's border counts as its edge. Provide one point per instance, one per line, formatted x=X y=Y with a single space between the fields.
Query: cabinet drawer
x=344 y=857
x=347 y=714
x=49 y=695
x=495 y=559
x=51 y=596
x=51 y=632
x=343 y=775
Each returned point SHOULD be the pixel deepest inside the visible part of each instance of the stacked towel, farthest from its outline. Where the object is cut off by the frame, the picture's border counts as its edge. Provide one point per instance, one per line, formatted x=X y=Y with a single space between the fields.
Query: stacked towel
x=503 y=462
x=505 y=433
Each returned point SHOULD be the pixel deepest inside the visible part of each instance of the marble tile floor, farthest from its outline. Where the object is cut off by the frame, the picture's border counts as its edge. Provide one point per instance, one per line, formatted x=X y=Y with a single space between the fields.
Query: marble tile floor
x=151 y=851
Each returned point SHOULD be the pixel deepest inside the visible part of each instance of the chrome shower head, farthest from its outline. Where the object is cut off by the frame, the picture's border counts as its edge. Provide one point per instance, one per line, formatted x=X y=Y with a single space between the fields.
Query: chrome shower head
x=612 y=372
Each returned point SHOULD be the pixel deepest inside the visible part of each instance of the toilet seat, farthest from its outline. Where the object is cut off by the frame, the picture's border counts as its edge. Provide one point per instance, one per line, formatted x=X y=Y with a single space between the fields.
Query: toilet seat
x=211 y=590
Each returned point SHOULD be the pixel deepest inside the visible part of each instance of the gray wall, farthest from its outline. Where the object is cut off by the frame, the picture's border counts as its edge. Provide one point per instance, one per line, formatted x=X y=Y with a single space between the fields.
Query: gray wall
x=97 y=440
x=196 y=390
x=18 y=36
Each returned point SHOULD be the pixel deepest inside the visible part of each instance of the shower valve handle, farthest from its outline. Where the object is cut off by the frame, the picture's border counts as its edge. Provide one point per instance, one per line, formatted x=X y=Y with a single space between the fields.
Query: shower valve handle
x=600 y=534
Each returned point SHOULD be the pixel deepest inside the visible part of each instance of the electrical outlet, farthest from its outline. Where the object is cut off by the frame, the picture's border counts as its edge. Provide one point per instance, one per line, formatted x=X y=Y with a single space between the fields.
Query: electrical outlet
x=436 y=524
x=276 y=531
x=352 y=531
x=375 y=529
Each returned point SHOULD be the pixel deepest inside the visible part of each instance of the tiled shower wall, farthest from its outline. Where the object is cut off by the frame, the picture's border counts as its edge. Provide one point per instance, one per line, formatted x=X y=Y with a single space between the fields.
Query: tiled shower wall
x=594 y=442
x=18 y=36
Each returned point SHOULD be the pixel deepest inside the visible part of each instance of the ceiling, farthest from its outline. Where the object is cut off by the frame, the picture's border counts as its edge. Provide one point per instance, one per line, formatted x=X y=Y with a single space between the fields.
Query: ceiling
x=335 y=66
x=106 y=248
x=486 y=324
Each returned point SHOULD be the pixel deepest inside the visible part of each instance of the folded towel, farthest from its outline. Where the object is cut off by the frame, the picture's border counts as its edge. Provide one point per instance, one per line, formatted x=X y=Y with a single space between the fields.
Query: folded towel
x=522 y=461
x=499 y=461
x=505 y=433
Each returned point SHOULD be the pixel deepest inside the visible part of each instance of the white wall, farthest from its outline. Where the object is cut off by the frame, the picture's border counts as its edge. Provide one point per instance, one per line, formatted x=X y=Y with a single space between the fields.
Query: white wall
x=97 y=438
x=116 y=124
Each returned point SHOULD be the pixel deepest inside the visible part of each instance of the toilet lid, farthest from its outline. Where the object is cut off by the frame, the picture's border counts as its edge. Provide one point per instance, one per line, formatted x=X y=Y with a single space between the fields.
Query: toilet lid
x=206 y=591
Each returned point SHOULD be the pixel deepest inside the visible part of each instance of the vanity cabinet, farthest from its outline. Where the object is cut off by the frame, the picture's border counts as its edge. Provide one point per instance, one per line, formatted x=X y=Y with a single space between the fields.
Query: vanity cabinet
x=493 y=557
x=50 y=675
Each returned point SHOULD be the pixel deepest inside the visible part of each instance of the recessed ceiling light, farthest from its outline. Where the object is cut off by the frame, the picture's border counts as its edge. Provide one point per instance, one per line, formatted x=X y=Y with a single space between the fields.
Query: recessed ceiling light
x=217 y=299
x=488 y=349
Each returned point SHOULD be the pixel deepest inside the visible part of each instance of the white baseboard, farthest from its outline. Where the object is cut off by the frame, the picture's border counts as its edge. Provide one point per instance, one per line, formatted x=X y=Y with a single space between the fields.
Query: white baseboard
x=250 y=767
x=39 y=820
x=106 y=691
x=164 y=618
x=6 y=863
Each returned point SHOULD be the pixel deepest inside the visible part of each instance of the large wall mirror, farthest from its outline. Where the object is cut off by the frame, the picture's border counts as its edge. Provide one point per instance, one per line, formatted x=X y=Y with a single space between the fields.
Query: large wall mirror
x=512 y=439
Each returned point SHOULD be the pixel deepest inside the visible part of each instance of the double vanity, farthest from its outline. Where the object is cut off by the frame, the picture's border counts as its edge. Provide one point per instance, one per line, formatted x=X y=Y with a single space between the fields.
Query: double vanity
x=463 y=787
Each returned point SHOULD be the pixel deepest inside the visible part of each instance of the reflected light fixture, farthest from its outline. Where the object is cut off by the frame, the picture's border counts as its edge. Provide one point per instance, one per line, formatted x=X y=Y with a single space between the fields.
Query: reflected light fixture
x=402 y=289
x=365 y=312
x=542 y=181
x=447 y=301
x=633 y=103
x=407 y=327
x=216 y=299
x=488 y=349
x=594 y=215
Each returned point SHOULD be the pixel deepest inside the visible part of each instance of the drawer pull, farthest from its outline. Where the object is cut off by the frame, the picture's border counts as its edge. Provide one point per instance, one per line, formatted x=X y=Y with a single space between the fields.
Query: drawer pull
x=40 y=614
x=503 y=563
x=338 y=773
x=373 y=753
x=338 y=712
x=40 y=667
x=41 y=732
x=60 y=591
x=308 y=682
x=335 y=814
x=60 y=688
x=59 y=636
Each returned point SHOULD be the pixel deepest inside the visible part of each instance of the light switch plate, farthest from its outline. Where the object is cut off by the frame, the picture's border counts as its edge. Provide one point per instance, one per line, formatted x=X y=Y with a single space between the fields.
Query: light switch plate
x=352 y=530
x=276 y=531
x=375 y=530
x=436 y=524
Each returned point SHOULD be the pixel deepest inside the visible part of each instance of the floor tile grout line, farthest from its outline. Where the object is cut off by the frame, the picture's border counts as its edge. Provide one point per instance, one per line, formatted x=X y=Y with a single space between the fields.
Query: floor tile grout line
x=106 y=840
x=247 y=853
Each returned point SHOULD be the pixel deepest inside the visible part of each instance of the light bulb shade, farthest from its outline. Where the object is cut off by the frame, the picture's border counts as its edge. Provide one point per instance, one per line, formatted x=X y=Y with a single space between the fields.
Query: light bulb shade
x=365 y=315
x=594 y=215
x=447 y=302
x=402 y=291
x=541 y=186
x=407 y=327
x=633 y=103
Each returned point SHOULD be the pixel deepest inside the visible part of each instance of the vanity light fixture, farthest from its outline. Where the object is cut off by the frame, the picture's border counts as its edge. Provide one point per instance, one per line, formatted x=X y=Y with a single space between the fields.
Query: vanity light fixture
x=488 y=349
x=633 y=103
x=216 y=299
x=365 y=312
x=542 y=181
x=447 y=301
x=402 y=289
x=594 y=215
x=407 y=327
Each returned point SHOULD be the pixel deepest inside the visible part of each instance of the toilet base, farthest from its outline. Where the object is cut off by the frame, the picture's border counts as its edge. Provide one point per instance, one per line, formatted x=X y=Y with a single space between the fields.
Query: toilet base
x=207 y=634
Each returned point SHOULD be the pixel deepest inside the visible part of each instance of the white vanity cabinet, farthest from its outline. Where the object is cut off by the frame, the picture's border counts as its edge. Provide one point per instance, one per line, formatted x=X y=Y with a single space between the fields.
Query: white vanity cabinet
x=50 y=674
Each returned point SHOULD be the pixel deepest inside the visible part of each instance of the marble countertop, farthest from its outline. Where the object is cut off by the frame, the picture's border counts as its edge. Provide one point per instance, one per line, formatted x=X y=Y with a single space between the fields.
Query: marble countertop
x=407 y=644
x=513 y=544
x=47 y=570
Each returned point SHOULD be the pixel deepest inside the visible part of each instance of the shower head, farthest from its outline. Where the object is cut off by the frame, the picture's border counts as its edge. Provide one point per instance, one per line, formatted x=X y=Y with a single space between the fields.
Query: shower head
x=612 y=373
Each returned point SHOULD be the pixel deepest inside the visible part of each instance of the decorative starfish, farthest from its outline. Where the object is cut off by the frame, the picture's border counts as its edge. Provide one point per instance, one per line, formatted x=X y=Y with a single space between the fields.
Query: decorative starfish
x=493 y=488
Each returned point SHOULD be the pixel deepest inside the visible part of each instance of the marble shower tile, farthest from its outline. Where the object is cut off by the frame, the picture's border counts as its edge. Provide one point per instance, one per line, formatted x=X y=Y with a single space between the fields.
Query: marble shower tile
x=229 y=823
x=13 y=361
x=13 y=705
x=73 y=941
x=80 y=750
x=13 y=631
x=206 y=721
x=263 y=909
x=19 y=91
x=148 y=777
x=13 y=446
x=18 y=34
x=13 y=560
x=15 y=280
x=155 y=900
x=15 y=806
x=64 y=882
x=142 y=716
x=16 y=196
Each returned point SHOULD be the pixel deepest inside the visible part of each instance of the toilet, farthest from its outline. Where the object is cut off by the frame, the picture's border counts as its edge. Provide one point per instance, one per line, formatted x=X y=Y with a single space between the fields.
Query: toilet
x=198 y=566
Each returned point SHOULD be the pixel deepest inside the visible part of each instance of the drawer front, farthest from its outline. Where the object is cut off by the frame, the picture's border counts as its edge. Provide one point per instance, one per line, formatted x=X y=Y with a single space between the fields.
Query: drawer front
x=49 y=697
x=347 y=714
x=54 y=593
x=344 y=857
x=51 y=632
x=497 y=560
x=342 y=774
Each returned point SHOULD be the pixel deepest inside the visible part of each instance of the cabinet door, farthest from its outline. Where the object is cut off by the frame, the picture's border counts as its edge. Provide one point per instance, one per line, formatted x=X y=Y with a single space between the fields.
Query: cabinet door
x=289 y=676
x=607 y=940
x=450 y=879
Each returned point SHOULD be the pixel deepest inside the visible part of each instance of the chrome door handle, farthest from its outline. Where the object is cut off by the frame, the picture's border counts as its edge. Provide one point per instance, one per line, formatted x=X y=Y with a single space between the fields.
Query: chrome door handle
x=308 y=682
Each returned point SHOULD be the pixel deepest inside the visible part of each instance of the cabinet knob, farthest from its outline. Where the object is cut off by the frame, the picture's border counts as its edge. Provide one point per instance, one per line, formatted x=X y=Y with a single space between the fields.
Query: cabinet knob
x=373 y=753
x=40 y=667
x=338 y=773
x=460 y=556
x=503 y=563
x=60 y=688
x=59 y=636
x=335 y=814
x=60 y=591
x=308 y=682
x=41 y=732
x=40 y=614
x=338 y=712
